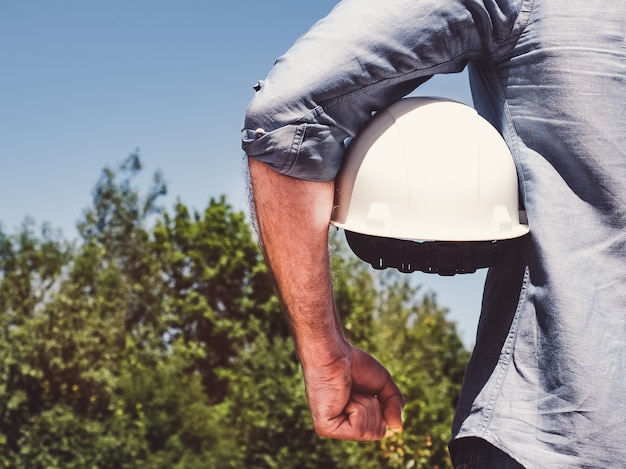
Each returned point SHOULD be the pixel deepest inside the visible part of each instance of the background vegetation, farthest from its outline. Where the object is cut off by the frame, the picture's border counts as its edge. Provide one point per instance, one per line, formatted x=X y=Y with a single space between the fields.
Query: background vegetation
x=156 y=342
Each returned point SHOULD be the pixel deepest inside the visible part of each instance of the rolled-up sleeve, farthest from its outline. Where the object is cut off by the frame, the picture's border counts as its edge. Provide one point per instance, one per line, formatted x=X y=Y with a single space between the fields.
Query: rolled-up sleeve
x=360 y=58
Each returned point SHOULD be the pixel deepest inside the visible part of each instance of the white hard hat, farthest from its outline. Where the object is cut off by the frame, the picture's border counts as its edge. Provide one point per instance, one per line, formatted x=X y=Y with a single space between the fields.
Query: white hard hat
x=429 y=169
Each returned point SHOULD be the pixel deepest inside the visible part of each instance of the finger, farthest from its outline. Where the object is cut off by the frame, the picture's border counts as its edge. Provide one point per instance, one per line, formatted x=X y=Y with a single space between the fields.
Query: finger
x=361 y=420
x=392 y=403
x=365 y=418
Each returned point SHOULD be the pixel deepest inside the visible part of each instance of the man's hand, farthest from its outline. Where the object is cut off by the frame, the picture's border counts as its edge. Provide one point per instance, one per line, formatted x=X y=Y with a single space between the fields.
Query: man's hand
x=353 y=398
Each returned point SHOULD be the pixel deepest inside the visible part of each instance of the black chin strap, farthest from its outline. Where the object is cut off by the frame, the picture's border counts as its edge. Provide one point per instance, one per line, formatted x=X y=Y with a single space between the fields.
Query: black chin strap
x=433 y=257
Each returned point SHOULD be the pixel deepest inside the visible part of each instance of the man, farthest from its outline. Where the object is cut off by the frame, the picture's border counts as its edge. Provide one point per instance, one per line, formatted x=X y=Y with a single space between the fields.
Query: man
x=545 y=384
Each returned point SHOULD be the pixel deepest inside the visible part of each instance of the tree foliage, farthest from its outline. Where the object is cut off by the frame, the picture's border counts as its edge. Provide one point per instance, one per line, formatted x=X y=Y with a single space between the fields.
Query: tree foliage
x=157 y=342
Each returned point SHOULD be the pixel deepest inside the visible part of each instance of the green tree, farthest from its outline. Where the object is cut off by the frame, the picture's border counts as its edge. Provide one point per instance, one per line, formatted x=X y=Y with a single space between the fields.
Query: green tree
x=157 y=342
x=30 y=271
x=425 y=354
x=219 y=293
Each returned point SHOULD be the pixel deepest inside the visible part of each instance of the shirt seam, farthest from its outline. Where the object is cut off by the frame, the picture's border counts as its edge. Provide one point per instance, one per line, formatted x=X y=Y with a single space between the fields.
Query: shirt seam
x=505 y=358
x=296 y=147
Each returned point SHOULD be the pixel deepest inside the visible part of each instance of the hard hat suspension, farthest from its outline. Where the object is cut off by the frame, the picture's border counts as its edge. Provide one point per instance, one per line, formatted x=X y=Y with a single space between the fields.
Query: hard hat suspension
x=445 y=258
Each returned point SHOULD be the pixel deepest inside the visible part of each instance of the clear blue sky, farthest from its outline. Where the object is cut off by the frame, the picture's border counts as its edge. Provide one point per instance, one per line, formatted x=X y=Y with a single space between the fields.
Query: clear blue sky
x=84 y=84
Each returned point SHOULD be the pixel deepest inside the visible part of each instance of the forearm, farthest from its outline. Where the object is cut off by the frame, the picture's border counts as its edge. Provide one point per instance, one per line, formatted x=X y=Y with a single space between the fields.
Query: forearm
x=292 y=217
x=350 y=394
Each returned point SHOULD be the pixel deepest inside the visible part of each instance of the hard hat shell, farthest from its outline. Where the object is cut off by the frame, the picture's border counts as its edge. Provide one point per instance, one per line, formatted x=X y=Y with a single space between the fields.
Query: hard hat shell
x=429 y=169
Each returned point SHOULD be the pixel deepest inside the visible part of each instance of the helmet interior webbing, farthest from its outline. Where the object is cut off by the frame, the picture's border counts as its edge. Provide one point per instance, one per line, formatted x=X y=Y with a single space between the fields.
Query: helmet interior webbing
x=434 y=257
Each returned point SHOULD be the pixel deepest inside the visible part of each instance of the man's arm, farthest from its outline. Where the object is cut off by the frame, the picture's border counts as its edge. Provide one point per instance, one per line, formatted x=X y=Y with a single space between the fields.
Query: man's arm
x=351 y=395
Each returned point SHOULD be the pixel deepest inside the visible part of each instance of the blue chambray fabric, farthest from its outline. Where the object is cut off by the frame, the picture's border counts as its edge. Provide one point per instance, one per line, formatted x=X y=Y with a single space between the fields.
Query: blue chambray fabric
x=547 y=379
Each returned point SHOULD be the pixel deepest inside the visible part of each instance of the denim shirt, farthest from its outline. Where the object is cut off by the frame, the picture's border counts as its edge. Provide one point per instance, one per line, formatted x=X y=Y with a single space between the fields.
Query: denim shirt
x=546 y=382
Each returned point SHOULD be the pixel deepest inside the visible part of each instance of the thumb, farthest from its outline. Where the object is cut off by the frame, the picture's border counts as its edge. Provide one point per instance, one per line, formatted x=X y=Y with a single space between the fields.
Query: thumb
x=392 y=402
